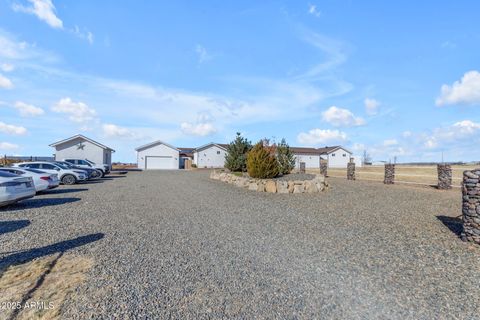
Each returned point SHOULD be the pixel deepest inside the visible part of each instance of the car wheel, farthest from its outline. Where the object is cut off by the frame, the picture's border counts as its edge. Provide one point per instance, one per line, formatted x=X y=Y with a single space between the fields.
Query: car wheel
x=103 y=173
x=69 y=179
x=96 y=174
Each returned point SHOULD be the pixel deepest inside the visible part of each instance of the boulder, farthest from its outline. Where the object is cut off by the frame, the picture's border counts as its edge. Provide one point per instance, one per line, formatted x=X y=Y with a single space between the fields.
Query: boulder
x=290 y=186
x=271 y=186
x=310 y=187
x=253 y=186
x=260 y=186
x=298 y=188
x=282 y=186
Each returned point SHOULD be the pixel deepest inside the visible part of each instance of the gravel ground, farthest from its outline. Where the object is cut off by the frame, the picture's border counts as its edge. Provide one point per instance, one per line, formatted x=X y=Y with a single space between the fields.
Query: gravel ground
x=179 y=245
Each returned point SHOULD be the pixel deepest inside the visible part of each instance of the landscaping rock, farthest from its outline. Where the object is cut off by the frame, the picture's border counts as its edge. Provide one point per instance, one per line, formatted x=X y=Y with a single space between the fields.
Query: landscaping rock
x=310 y=187
x=298 y=188
x=282 y=186
x=290 y=186
x=271 y=186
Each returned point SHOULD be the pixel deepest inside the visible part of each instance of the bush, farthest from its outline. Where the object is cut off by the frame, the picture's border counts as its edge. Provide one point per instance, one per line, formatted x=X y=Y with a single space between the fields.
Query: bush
x=285 y=157
x=236 y=158
x=194 y=165
x=261 y=162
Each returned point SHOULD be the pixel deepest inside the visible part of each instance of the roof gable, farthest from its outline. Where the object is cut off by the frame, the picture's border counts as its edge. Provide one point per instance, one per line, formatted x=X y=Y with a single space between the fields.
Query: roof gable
x=80 y=136
x=211 y=144
x=155 y=143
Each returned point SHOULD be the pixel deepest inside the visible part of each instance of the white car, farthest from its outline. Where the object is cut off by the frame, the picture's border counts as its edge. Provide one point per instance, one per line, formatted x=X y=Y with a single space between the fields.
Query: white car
x=66 y=175
x=85 y=163
x=42 y=180
x=14 y=188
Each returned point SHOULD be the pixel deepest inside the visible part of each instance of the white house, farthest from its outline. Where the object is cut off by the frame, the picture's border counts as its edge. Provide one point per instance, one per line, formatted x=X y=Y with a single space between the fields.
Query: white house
x=81 y=147
x=337 y=156
x=158 y=155
x=311 y=157
x=211 y=155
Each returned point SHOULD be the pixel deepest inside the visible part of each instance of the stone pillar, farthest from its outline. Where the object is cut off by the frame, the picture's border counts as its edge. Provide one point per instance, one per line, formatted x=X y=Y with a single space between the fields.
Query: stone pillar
x=389 y=174
x=471 y=206
x=444 y=176
x=302 y=167
x=323 y=167
x=351 y=171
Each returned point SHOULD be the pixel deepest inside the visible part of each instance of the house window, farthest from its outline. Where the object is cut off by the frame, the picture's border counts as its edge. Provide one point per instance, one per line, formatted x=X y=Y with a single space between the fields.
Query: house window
x=344 y=154
x=333 y=154
x=218 y=152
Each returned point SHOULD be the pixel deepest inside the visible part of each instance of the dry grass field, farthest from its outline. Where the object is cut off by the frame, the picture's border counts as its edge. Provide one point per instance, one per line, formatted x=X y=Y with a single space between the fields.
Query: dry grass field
x=425 y=175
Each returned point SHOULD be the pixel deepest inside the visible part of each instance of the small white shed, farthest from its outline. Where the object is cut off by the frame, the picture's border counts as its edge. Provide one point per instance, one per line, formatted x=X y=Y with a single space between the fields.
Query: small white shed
x=311 y=157
x=81 y=147
x=158 y=155
x=337 y=156
x=211 y=155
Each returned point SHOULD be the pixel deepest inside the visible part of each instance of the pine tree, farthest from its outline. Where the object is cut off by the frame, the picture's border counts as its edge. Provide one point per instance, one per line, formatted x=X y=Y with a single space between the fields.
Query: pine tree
x=236 y=158
x=285 y=157
x=261 y=162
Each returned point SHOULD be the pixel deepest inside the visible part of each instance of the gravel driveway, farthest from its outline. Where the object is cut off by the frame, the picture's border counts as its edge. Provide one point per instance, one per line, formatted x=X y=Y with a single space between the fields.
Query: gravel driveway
x=179 y=245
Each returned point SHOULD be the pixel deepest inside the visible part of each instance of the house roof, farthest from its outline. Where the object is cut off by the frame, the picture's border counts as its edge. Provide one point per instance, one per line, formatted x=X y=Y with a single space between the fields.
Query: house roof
x=327 y=150
x=220 y=145
x=154 y=143
x=304 y=150
x=80 y=136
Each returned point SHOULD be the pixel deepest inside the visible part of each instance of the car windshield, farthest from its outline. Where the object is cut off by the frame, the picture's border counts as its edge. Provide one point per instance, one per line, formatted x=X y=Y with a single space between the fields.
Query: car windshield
x=61 y=165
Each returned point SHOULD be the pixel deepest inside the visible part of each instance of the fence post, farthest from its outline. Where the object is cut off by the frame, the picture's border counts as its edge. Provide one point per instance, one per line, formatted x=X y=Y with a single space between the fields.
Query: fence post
x=444 y=176
x=471 y=206
x=323 y=167
x=351 y=170
x=389 y=174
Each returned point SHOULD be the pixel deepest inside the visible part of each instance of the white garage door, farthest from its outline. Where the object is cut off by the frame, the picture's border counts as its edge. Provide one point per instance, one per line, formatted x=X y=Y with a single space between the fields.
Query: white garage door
x=159 y=163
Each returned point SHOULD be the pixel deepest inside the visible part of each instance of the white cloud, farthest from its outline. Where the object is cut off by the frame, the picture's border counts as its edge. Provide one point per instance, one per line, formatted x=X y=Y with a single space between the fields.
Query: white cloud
x=203 y=55
x=12 y=129
x=7 y=67
x=198 y=129
x=43 y=9
x=114 y=131
x=334 y=52
x=312 y=9
x=371 y=106
x=406 y=134
x=459 y=132
x=5 y=83
x=390 y=142
x=85 y=35
x=464 y=91
x=339 y=117
x=319 y=136
x=28 y=110
x=7 y=146
x=78 y=111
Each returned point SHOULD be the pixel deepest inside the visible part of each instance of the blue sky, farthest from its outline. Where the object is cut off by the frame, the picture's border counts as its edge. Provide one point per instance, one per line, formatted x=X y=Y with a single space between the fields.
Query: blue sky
x=393 y=78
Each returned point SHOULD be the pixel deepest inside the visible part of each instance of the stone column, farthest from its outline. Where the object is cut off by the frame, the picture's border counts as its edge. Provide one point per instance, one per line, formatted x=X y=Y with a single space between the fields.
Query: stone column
x=302 y=167
x=389 y=174
x=444 y=176
x=471 y=206
x=323 y=167
x=351 y=171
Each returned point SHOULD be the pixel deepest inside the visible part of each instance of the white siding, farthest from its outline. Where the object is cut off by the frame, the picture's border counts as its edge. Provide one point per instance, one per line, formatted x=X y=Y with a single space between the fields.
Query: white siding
x=71 y=149
x=338 y=158
x=311 y=160
x=210 y=157
x=159 y=150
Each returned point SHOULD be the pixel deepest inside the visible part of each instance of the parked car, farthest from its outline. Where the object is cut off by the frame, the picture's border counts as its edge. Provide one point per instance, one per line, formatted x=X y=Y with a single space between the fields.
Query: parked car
x=14 y=188
x=41 y=179
x=67 y=176
x=91 y=172
x=85 y=163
